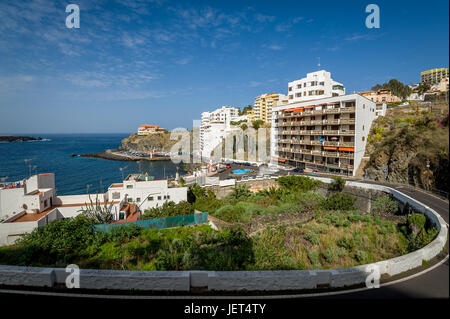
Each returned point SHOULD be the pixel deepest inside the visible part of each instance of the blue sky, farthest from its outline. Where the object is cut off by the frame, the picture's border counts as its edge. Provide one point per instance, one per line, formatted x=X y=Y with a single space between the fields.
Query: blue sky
x=164 y=62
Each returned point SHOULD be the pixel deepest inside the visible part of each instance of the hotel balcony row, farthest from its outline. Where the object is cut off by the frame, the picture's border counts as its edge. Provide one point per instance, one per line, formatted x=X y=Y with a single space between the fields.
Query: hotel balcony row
x=308 y=112
x=316 y=122
x=315 y=161
x=336 y=154
x=319 y=143
x=316 y=132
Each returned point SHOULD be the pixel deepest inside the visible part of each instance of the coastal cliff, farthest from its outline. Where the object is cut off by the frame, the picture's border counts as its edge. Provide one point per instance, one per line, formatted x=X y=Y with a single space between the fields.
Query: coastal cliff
x=158 y=141
x=411 y=146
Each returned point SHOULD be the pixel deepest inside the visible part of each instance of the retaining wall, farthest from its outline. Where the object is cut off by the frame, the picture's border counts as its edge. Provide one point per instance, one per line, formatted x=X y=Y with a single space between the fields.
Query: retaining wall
x=239 y=280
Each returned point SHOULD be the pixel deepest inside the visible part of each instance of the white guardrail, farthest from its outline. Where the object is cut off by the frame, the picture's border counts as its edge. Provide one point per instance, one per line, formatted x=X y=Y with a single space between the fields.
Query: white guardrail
x=279 y=280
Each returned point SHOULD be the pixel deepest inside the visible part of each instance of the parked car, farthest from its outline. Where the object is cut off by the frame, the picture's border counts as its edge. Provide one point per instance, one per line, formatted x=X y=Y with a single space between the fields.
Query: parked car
x=228 y=165
x=298 y=170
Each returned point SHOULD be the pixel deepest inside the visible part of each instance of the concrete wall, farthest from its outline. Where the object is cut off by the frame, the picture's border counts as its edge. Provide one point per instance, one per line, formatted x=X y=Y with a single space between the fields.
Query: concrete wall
x=239 y=280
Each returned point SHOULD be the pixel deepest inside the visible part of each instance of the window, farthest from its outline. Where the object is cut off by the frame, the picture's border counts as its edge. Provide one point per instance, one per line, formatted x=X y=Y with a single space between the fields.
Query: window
x=299 y=86
x=159 y=197
x=290 y=88
x=129 y=200
x=298 y=95
x=363 y=138
x=321 y=83
x=129 y=186
x=116 y=195
x=138 y=199
x=168 y=196
x=291 y=97
x=150 y=198
x=165 y=197
x=363 y=127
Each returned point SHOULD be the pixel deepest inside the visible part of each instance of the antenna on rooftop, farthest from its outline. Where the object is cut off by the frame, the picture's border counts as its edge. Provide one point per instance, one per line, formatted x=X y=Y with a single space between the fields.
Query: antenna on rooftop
x=318 y=64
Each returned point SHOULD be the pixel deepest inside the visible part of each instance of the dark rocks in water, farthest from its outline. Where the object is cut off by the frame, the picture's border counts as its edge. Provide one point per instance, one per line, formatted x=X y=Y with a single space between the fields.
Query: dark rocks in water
x=11 y=138
x=73 y=155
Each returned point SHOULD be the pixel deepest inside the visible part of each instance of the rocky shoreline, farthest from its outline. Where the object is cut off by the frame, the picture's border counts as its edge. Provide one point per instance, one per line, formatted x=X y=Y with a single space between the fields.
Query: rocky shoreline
x=11 y=138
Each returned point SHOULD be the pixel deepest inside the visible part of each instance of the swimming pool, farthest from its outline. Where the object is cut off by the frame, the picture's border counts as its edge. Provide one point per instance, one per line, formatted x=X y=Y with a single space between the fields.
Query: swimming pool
x=241 y=171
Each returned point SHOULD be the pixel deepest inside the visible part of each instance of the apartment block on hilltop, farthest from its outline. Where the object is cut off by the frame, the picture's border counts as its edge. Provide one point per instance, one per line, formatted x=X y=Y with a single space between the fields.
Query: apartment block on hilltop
x=327 y=135
x=263 y=104
x=434 y=76
x=381 y=96
x=316 y=85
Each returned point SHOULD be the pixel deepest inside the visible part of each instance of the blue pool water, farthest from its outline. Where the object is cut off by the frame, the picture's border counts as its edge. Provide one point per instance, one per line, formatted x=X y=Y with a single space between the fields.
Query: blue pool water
x=73 y=174
x=241 y=171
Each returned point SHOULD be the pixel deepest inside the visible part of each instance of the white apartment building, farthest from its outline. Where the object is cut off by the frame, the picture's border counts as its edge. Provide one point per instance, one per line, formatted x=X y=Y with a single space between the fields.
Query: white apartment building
x=145 y=193
x=214 y=126
x=316 y=85
x=327 y=135
x=33 y=202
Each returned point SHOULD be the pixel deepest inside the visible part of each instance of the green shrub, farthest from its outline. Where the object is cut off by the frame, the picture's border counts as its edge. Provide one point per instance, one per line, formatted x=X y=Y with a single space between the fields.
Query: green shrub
x=337 y=184
x=169 y=209
x=339 y=201
x=298 y=183
x=384 y=205
x=361 y=256
x=313 y=238
x=313 y=256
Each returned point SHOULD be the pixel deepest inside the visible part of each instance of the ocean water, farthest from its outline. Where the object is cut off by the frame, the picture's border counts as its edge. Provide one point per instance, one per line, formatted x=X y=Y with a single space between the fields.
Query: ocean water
x=74 y=175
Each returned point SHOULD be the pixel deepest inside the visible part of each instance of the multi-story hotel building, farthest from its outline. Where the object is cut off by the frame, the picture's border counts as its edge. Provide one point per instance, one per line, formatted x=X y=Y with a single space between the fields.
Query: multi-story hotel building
x=263 y=104
x=328 y=135
x=214 y=126
x=316 y=85
x=433 y=76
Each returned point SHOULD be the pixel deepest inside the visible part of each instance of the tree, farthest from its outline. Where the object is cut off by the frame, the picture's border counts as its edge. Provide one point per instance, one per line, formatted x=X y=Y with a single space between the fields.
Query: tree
x=397 y=88
x=256 y=124
x=98 y=213
x=337 y=184
x=422 y=88
x=245 y=110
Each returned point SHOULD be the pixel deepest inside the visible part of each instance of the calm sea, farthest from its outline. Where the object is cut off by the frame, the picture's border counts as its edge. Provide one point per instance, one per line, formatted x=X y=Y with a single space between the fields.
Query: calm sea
x=74 y=175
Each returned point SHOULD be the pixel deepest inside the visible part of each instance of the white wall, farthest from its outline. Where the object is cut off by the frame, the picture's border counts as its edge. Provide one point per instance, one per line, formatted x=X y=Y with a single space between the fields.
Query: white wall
x=365 y=115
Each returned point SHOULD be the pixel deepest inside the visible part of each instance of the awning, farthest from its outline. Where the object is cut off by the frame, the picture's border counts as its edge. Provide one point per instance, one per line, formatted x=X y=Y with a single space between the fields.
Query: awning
x=330 y=148
x=298 y=109
x=333 y=103
x=288 y=110
x=348 y=149
x=309 y=106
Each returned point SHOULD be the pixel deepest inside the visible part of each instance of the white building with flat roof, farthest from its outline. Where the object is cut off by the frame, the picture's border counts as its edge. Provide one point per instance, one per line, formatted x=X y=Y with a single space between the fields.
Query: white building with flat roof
x=214 y=126
x=316 y=85
x=327 y=135
x=27 y=204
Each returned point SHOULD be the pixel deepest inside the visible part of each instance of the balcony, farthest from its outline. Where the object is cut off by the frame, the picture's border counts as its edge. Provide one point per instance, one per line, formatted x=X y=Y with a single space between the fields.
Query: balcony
x=347 y=121
x=316 y=143
x=347 y=132
x=316 y=132
x=332 y=111
x=317 y=153
x=316 y=122
x=305 y=132
x=332 y=165
x=348 y=109
x=317 y=112
x=330 y=154
x=347 y=144
x=308 y=152
x=346 y=155
x=330 y=143
x=331 y=132
x=305 y=122
x=331 y=122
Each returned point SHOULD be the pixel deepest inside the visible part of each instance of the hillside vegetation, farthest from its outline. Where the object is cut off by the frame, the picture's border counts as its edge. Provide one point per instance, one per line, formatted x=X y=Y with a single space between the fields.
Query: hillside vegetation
x=404 y=142
x=288 y=227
